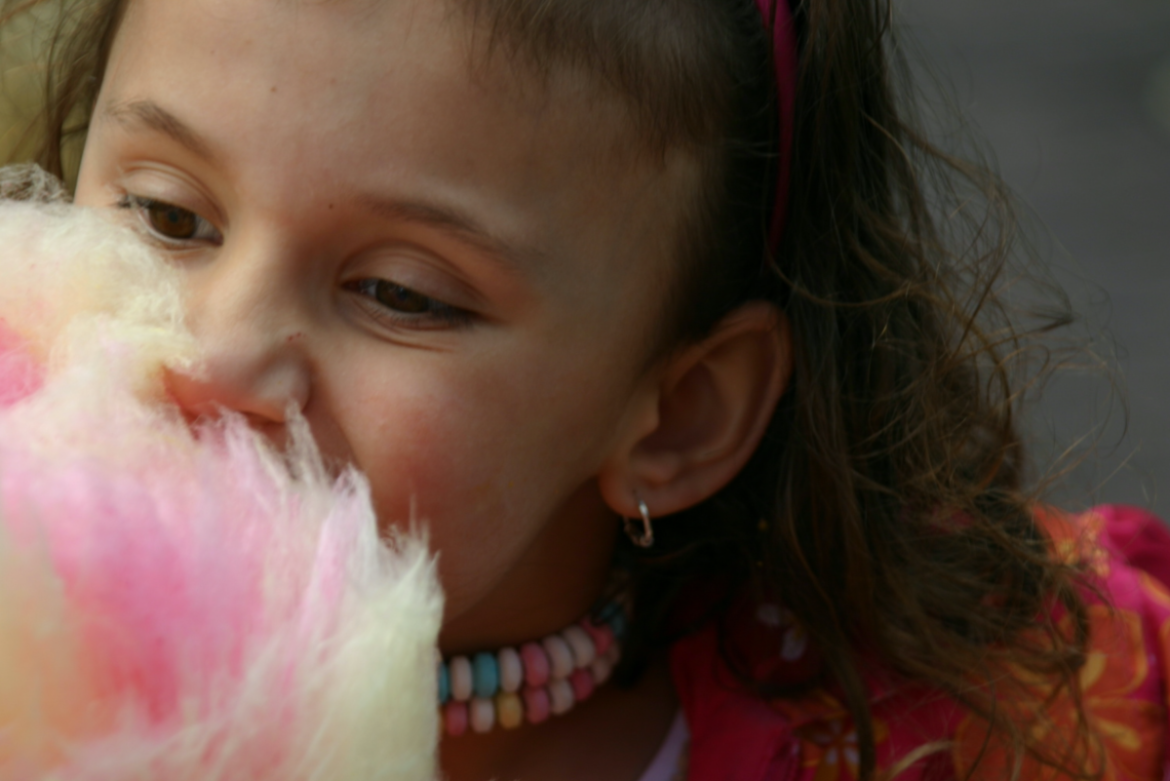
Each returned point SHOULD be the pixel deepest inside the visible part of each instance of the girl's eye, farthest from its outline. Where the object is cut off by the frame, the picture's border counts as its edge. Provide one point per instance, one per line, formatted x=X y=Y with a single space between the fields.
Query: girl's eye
x=401 y=299
x=171 y=224
x=400 y=305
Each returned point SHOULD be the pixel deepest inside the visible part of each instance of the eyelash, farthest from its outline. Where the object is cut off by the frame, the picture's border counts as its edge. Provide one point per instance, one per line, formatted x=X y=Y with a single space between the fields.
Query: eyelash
x=142 y=205
x=436 y=315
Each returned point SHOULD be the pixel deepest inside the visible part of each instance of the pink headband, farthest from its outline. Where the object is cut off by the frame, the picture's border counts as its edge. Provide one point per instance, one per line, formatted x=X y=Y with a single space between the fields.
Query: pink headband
x=778 y=19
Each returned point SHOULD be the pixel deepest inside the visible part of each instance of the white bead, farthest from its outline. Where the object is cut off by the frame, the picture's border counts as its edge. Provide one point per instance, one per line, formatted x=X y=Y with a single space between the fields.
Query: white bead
x=581 y=645
x=511 y=670
x=601 y=669
x=459 y=669
x=560 y=695
x=483 y=715
x=560 y=658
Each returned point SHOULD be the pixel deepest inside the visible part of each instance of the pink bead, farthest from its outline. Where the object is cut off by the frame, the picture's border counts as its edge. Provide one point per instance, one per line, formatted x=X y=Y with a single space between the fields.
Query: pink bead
x=582 y=683
x=536 y=704
x=602 y=636
x=536 y=667
x=455 y=718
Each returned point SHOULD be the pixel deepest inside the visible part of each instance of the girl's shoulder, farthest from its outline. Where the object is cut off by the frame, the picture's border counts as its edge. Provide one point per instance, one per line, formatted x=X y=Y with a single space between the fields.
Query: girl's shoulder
x=923 y=735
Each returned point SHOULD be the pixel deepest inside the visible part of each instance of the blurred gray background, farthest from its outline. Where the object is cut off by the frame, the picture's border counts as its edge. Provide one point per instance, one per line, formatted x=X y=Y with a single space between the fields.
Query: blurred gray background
x=1072 y=98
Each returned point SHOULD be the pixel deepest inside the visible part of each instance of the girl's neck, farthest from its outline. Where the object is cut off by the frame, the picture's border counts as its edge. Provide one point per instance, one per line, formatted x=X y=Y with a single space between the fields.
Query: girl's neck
x=553 y=580
x=612 y=736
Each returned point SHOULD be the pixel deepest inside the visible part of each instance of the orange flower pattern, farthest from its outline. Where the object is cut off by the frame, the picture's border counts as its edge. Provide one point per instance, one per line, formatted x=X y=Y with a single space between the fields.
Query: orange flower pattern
x=1128 y=726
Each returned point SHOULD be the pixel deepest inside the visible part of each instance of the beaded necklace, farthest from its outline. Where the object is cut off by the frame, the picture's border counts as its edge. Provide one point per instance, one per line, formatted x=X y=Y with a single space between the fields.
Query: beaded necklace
x=532 y=682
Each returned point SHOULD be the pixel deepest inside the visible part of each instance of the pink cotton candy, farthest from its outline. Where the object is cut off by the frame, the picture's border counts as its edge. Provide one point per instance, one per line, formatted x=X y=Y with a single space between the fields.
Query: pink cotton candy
x=20 y=373
x=181 y=604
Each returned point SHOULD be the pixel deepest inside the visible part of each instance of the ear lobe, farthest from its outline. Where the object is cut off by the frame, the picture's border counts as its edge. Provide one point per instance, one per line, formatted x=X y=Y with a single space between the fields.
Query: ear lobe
x=715 y=402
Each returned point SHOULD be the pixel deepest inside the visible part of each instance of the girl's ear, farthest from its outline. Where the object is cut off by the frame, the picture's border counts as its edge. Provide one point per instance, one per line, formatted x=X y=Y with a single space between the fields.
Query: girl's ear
x=711 y=407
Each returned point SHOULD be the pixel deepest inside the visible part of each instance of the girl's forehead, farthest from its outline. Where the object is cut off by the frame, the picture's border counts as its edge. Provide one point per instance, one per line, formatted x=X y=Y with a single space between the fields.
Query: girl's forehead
x=293 y=98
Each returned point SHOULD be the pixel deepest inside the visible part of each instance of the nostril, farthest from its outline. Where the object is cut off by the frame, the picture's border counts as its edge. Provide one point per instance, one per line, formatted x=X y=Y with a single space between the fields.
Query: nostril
x=174 y=393
x=265 y=392
x=276 y=432
x=190 y=396
x=199 y=410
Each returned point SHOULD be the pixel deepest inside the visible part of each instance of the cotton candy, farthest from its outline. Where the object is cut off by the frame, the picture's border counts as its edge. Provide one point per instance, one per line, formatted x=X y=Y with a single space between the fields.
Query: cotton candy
x=180 y=602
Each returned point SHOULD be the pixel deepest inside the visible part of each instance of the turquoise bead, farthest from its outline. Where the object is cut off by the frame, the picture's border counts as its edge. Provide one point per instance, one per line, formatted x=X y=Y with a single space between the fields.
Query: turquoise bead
x=487 y=675
x=444 y=684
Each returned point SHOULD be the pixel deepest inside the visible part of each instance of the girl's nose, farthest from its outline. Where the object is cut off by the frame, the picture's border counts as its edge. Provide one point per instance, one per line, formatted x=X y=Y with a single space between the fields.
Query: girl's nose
x=255 y=358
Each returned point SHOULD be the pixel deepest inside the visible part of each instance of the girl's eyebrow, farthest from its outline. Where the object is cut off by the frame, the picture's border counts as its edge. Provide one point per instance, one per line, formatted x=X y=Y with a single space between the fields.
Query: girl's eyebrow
x=150 y=115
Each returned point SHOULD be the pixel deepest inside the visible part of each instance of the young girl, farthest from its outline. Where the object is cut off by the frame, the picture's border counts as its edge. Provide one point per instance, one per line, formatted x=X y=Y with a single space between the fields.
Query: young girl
x=537 y=266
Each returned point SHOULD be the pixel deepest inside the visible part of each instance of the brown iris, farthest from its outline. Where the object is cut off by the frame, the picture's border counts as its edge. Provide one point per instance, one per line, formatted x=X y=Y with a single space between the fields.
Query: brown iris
x=172 y=222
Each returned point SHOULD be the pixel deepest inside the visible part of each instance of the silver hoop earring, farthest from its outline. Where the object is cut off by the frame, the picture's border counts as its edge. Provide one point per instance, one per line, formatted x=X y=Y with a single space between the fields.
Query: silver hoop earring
x=645 y=539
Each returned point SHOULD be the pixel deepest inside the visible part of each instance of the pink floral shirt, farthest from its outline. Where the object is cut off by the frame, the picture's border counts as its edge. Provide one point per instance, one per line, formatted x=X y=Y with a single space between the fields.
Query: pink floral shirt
x=922 y=735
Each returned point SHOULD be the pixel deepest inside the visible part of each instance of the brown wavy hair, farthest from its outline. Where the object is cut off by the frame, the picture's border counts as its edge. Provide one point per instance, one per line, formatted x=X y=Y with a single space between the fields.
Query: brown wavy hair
x=888 y=504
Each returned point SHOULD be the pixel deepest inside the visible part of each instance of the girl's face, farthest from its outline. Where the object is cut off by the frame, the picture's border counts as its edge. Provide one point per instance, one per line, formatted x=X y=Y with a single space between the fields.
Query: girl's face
x=451 y=270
